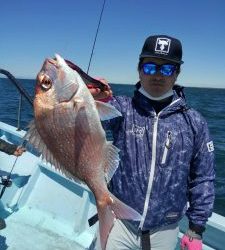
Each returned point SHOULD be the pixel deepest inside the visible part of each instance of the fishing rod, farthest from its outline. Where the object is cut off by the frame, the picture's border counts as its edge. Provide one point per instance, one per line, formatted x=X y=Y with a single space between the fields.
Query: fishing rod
x=96 y=34
x=6 y=181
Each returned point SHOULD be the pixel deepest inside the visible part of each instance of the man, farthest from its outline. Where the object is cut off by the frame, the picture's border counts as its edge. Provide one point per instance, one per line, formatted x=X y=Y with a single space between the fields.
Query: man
x=10 y=149
x=166 y=157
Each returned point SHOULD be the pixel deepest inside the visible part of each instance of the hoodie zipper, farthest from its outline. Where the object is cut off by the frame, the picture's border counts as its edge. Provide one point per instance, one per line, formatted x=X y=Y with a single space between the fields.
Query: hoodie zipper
x=152 y=167
x=152 y=170
x=167 y=146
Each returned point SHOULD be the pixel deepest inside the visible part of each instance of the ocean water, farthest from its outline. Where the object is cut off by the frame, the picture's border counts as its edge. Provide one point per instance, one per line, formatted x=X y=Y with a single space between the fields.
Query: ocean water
x=209 y=102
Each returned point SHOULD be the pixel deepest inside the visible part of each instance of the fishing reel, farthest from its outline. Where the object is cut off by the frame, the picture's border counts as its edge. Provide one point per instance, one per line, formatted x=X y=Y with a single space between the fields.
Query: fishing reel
x=5 y=181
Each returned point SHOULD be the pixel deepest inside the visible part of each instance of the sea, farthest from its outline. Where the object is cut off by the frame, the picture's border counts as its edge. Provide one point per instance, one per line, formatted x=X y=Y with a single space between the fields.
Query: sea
x=210 y=102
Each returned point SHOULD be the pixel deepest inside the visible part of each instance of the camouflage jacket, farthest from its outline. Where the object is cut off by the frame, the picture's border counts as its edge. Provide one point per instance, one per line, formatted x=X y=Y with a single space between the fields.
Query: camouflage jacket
x=166 y=160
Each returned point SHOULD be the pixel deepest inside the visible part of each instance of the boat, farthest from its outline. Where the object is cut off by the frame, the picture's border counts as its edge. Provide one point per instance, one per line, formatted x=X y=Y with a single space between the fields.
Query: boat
x=43 y=209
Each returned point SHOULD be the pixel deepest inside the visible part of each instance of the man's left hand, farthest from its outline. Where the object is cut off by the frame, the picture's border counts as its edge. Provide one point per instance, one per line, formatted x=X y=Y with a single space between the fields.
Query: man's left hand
x=97 y=94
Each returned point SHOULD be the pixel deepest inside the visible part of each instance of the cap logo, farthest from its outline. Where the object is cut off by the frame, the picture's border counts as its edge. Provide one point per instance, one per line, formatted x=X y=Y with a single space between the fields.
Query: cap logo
x=162 y=45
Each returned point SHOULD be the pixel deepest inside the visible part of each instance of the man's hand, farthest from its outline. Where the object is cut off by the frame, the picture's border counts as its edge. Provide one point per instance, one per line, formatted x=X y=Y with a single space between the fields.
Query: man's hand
x=19 y=151
x=101 y=95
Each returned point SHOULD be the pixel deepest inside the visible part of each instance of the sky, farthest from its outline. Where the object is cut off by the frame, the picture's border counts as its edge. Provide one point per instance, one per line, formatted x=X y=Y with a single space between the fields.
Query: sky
x=31 y=31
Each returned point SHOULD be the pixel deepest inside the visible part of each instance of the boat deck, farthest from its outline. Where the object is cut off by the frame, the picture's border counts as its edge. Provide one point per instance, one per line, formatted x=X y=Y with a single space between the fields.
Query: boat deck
x=33 y=235
x=44 y=210
x=50 y=213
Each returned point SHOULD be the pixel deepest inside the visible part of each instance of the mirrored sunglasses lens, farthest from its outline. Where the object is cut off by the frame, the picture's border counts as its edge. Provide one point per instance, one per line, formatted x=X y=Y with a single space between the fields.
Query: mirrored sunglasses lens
x=167 y=69
x=149 y=69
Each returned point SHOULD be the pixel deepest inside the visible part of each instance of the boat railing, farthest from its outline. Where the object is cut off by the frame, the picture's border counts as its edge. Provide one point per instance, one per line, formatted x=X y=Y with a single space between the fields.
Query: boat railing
x=21 y=90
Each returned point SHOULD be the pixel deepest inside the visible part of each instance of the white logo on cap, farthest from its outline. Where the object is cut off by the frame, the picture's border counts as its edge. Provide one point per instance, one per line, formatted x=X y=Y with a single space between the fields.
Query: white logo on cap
x=162 y=45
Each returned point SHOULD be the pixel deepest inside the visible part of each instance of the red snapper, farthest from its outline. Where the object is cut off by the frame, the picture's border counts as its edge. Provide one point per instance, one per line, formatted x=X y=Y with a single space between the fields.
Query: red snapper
x=68 y=132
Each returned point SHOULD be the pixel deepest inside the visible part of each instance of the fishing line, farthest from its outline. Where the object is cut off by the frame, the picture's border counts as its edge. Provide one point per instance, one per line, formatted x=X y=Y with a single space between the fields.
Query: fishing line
x=96 y=34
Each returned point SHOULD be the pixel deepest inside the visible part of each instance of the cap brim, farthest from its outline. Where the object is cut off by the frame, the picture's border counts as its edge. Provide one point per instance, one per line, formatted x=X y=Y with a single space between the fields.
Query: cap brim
x=161 y=57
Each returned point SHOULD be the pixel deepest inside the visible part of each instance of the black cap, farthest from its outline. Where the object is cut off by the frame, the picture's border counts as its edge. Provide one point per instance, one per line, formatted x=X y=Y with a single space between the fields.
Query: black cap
x=164 y=47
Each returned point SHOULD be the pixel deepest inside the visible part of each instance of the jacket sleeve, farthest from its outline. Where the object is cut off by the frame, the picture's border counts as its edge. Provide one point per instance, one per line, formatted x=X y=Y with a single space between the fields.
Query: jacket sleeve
x=7 y=147
x=201 y=191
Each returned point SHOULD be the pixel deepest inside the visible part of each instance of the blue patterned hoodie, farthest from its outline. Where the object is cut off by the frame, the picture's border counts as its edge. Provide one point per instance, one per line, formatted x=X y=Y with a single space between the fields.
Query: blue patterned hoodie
x=167 y=160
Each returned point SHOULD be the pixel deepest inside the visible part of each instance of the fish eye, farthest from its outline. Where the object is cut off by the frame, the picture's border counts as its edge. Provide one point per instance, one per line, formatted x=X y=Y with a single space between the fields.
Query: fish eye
x=46 y=83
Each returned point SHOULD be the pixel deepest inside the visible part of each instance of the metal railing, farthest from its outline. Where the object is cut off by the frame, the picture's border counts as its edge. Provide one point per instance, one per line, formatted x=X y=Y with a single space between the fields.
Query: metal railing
x=22 y=92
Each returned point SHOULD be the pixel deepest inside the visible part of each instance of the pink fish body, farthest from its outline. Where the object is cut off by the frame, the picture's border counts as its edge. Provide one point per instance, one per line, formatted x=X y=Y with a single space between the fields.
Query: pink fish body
x=67 y=131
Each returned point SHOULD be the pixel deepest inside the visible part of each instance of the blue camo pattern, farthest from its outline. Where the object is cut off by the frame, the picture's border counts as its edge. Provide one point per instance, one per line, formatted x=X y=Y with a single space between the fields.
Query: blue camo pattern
x=185 y=174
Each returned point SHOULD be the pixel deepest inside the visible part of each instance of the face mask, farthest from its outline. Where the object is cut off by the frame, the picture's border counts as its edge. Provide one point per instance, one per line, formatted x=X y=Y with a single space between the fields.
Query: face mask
x=164 y=96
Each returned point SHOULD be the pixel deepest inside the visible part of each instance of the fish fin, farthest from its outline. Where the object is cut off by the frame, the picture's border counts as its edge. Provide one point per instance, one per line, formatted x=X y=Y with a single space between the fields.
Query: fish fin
x=110 y=210
x=106 y=111
x=111 y=160
x=34 y=139
x=78 y=103
x=32 y=135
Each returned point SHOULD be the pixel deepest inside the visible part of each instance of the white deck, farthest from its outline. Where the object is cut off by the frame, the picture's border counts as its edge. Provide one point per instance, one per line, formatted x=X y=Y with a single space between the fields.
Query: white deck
x=44 y=210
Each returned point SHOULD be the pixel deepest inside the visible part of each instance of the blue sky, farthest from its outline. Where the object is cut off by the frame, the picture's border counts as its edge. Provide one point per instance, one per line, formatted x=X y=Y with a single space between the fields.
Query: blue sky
x=30 y=31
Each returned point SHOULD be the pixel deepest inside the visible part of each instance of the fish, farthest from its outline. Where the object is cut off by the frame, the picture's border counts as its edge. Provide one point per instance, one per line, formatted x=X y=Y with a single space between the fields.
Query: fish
x=67 y=131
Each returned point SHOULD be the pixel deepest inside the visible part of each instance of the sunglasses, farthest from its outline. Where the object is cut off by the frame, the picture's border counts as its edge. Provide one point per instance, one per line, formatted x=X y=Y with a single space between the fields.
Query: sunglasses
x=152 y=68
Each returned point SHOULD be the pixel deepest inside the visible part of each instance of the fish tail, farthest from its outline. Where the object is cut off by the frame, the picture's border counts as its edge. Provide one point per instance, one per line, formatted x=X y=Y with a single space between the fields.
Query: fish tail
x=123 y=211
x=106 y=221
x=109 y=210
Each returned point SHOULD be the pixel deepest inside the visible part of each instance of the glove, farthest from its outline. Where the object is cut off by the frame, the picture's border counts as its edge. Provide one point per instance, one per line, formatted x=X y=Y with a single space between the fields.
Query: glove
x=191 y=241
